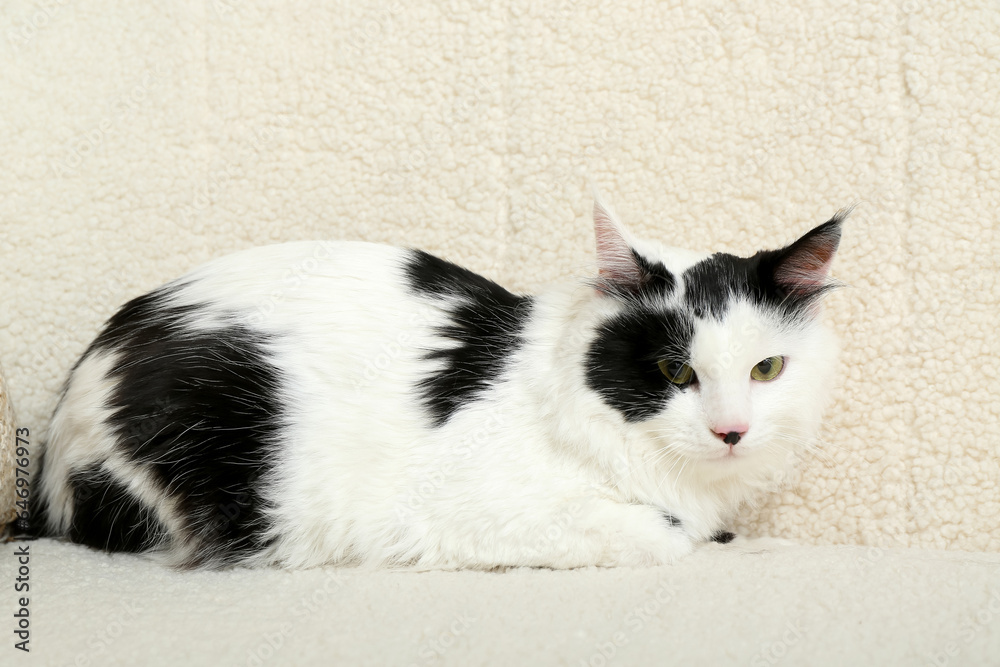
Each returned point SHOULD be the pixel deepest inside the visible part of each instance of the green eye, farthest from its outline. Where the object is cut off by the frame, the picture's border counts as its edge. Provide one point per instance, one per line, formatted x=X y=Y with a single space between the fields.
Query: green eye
x=768 y=369
x=676 y=371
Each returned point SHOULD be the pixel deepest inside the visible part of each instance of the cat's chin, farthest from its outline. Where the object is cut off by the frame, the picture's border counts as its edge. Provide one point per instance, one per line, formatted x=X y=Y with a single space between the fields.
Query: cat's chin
x=717 y=464
x=723 y=456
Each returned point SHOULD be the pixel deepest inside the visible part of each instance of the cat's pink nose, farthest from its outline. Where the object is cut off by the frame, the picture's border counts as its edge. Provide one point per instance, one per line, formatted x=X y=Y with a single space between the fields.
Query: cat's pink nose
x=731 y=434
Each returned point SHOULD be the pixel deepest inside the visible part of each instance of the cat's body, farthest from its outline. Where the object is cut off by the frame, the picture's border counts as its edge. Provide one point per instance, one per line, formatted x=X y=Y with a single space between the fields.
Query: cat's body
x=332 y=402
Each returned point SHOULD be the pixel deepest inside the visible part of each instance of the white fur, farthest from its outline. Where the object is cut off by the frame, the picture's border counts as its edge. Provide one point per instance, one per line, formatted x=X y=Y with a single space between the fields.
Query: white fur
x=538 y=471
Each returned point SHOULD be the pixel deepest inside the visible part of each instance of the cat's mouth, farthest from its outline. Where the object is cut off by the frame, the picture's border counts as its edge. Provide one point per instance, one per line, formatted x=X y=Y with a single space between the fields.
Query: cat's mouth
x=729 y=453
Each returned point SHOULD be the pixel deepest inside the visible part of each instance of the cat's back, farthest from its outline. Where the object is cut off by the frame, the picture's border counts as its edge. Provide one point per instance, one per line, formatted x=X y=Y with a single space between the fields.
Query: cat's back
x=275 y=280
x=198 y=416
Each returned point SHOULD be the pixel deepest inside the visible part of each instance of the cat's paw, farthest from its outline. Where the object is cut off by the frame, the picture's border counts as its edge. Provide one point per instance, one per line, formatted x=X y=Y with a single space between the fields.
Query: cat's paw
x=723 y=537
x=641 y=536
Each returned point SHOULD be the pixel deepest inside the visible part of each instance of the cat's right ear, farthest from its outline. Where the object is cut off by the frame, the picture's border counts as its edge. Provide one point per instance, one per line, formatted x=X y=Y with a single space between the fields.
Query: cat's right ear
x=618 y=267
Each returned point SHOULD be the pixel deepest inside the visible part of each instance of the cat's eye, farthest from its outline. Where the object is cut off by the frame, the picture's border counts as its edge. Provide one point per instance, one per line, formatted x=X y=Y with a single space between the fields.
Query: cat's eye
x=676 y=371
x=768 y=369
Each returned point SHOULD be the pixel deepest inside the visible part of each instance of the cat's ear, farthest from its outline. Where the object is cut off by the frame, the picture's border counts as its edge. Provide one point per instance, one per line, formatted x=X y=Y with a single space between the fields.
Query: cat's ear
x=617 y=263
x=801 y=270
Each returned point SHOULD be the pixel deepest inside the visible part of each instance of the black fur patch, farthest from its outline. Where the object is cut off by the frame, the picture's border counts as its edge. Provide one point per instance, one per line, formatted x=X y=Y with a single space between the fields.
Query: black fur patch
x=486 y=326
x=658 y=279
x=106 y=516
x=711 y=285
x=672 y=520
x=36 y=523
x=655 y=280
x=621 y=364
x=202 y=411
x=723 y=537
x=141 y=319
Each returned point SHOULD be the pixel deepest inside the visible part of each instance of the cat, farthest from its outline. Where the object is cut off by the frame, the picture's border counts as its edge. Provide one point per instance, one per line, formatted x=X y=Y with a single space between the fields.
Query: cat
x=316 y=403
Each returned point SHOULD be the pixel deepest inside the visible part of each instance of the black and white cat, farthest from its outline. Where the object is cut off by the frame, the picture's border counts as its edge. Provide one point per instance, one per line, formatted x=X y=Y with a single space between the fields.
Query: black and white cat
x=342 y=402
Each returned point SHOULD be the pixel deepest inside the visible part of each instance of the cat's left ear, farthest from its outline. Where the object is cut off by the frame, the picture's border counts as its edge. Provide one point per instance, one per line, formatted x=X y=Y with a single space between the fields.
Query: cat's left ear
x=801 y=270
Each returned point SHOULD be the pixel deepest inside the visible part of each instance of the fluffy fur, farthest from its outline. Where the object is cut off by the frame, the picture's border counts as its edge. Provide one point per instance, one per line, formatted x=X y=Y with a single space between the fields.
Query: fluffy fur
x=333 y=402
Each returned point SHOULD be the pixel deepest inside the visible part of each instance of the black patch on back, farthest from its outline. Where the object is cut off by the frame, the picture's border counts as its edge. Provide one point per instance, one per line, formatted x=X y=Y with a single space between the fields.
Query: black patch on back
x=621 y=364
x=486 y=326
x=672 y=520
x=140 y=320
x=202 y=411
x=107 y=516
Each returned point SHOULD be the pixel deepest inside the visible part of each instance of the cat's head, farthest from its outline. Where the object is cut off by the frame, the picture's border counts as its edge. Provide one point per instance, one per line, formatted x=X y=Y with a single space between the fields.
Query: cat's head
x=715 y=362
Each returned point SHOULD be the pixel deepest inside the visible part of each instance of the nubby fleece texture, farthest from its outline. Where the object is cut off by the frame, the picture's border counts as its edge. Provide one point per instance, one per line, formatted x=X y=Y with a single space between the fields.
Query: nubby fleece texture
x=143 y=142
x=140 y=141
